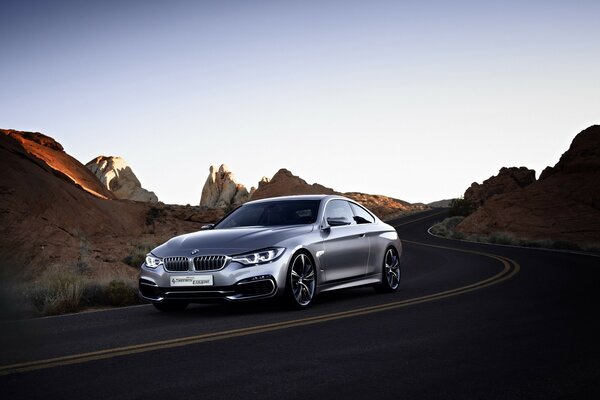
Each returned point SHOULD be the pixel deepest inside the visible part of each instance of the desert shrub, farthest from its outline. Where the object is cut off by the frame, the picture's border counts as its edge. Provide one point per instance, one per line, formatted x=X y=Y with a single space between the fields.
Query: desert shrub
x=59 y=290
x=458 y=235
x=153 y=214
x=446 y=227
x=504 y=238
x=94 y=294
x=439 y=229
x=62 y=289
x=452 y=222
x=475 y=237
x=138 y=253
x=120 y=293
x=83 y=257
x=461 y=207
x=592 y=248
x=116 y=293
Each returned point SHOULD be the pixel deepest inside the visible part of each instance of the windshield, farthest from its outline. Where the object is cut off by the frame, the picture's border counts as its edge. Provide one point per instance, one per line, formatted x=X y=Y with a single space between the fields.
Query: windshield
x=272 y=213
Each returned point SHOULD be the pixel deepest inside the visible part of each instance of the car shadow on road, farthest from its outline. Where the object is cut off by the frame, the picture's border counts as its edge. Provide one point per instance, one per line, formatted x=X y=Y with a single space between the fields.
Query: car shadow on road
x=325 y=302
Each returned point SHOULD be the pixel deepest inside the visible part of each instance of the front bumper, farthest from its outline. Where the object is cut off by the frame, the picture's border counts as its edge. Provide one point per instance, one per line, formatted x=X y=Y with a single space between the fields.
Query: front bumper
x=235 y=282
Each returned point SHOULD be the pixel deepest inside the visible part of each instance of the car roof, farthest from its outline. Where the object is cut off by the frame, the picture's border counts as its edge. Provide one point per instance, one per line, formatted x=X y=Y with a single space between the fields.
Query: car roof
x=298 y=197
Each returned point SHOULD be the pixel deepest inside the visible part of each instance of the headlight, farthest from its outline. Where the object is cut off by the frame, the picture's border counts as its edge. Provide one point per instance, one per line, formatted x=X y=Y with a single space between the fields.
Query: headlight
x=152 y=261
x=259 y=256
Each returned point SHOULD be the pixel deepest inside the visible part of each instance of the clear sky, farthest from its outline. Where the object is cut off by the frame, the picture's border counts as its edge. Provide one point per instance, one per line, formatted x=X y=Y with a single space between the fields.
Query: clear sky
x=411 y=99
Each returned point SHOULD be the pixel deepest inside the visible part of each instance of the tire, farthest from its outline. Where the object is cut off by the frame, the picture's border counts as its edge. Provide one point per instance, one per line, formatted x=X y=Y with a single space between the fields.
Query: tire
x=301 y=283
x=170 y=306
x=390 y=272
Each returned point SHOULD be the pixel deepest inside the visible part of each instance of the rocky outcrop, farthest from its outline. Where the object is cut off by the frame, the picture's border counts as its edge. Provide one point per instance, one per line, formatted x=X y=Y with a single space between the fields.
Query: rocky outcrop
x=118 y=177
x=507 y=180
x=45 y=216
x=50 y=155
x=284 y=183
x=221 y=190
x=54 y=211
x=564 y=204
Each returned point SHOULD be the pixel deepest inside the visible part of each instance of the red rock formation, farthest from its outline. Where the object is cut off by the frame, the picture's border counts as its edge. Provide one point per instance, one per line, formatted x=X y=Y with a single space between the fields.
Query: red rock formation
x=52 y=155
x=55 y=211
x=564 y=204
x=284 y=183
x=507 y=180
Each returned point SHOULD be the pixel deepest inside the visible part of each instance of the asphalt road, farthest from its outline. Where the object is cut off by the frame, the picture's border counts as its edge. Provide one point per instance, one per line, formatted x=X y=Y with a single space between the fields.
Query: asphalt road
x=469 y=321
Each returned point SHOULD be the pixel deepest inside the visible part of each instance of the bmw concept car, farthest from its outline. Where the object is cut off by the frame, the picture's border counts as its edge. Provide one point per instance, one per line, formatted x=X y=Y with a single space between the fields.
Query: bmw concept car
x=294 y=247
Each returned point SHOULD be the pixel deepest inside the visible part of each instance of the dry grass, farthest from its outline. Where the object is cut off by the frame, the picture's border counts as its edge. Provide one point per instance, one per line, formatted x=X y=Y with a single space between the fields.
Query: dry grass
x=57 y=291
x=63 y=289
x=446 y=228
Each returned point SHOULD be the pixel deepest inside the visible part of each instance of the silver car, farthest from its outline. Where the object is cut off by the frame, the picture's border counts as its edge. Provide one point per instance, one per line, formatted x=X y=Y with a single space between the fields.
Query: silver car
x=294 y=247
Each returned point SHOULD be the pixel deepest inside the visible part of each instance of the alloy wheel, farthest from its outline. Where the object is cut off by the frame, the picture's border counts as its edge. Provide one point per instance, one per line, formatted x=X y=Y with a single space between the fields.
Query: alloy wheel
x=392 y=268
x=302 y=279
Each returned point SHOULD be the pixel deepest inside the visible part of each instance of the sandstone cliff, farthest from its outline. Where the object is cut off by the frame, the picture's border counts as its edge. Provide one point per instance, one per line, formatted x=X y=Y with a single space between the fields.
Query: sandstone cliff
x=118 y=177
x=564 y=204
x=221 y=190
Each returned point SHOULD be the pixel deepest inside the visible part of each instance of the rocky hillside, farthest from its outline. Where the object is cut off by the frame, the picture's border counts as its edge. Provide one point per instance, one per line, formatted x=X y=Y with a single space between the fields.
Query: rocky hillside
x=284 y=183
x=445 y=203
x=564 y=204
x=49 y=154
x=507 y=180
x=118 y=177
x=54 y=211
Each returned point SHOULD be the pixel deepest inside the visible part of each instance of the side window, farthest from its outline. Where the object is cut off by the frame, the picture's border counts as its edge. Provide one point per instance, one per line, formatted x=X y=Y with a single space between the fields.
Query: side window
x=339 y=211
x=361 y=216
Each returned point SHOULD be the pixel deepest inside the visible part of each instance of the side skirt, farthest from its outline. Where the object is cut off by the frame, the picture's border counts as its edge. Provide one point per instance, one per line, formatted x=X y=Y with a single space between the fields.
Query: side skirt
x=348 y=283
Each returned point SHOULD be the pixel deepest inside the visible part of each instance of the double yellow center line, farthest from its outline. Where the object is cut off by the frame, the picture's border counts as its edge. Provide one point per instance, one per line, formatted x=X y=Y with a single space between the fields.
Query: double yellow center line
x=510 y=269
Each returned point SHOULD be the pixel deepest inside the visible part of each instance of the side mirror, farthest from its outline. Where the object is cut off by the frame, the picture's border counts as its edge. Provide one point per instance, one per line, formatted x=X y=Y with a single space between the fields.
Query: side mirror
x=207 y=227
x=341 y=221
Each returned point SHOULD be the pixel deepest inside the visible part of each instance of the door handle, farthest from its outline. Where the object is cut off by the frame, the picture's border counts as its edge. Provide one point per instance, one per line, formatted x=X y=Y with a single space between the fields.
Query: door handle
x=362 y=235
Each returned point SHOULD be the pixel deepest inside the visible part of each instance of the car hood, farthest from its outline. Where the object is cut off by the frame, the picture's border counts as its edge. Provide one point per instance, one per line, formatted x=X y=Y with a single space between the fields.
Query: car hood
x=229 y=241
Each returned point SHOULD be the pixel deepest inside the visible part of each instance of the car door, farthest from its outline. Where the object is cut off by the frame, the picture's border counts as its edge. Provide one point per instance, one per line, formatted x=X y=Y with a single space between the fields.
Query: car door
x=367 y=221
x=345 y=245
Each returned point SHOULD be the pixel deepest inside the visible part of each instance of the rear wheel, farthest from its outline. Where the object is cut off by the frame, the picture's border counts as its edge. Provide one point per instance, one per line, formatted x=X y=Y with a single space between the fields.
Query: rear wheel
x=390 y=279
x=301 y=281
x=171 y=306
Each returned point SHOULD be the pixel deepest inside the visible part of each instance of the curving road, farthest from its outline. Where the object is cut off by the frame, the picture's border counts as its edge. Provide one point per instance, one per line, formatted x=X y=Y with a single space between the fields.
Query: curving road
x=469 y=321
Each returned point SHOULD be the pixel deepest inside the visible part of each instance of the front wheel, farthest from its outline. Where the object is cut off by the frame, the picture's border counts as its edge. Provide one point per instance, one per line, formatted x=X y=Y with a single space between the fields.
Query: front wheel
x=390 y=279
x=170 y=306
x=301 y=281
